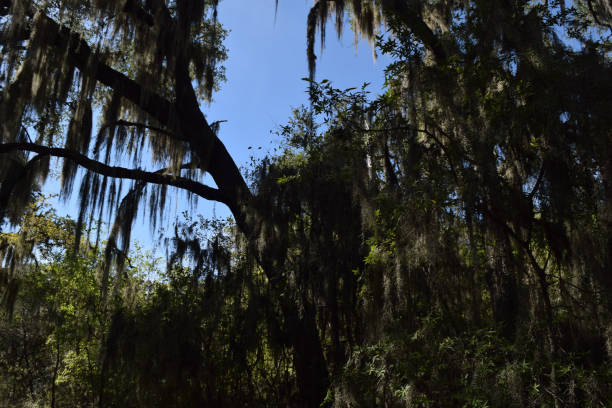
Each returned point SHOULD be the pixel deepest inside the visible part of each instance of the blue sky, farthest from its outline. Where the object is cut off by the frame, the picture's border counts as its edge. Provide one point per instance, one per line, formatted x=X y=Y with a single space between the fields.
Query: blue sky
x=267 y=60
x=266 y=64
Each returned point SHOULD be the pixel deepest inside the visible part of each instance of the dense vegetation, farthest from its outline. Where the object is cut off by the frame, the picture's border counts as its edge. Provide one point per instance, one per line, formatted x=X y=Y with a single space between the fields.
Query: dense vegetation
x=448 y=243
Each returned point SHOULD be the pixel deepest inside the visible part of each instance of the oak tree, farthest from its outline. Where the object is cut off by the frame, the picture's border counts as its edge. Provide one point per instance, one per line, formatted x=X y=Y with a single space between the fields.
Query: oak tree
x=488 y=158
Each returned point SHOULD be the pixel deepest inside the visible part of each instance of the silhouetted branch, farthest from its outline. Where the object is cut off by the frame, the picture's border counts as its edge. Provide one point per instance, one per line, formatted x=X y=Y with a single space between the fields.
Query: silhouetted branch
x=199 y=189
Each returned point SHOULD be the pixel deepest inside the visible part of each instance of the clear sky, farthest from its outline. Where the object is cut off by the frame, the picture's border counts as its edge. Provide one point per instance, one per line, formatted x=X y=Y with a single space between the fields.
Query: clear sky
x=267 y=59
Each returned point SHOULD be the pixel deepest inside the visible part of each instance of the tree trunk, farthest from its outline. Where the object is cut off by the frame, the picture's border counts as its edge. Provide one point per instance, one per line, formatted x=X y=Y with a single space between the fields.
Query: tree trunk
x=309 y=361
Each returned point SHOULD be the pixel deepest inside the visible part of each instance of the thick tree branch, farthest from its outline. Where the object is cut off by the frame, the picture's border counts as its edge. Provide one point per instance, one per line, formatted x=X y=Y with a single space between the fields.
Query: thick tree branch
x=184 y=116
x=183 y=183
x=81 y=56
x=126 y=123
x=154 y=7
x=135 y=9
x=411 y=18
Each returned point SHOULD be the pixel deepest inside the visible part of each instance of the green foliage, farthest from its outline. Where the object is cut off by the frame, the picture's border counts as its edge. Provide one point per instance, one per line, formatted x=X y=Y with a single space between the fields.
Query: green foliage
x=51 y=337
x=52 y=334
x=480 y=218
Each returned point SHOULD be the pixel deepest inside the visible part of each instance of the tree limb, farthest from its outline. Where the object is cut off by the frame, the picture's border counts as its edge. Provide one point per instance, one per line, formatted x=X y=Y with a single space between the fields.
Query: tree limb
x=410 y=17
x=183 y=183
x=184 y=116
x=126 y=123
x=81 y=56
x=136 y=10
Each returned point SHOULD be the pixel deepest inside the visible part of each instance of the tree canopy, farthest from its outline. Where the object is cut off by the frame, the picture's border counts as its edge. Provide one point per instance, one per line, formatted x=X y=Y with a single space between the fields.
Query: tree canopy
x=448 y=243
